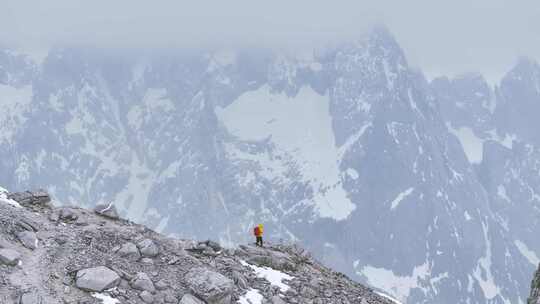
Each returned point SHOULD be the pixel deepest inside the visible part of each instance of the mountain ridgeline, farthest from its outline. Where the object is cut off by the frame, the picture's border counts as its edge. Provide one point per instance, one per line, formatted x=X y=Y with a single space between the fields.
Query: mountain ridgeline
x=71 y=255
x=427 y=190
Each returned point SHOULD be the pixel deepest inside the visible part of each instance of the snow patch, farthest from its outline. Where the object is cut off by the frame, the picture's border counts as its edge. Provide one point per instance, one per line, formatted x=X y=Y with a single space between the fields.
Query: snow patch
x=273 y=276
x=352 y=173
x=398 y=286
x=4 y=199
x=105 y=299
x=506 y=141
x=261 y=115
x=252 y=296
x=401 y=197
x=527 y=253
x=472 y=144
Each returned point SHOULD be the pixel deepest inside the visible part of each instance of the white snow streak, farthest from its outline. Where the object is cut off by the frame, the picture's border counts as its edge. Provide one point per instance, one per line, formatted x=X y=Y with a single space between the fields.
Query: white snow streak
x=273 y=276
x=388 y=297
x=401 y=197
x=482 y=273
x=527 y=253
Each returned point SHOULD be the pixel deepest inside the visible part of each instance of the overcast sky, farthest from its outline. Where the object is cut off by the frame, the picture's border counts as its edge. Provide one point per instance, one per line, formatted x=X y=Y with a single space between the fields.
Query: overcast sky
x=440 y=37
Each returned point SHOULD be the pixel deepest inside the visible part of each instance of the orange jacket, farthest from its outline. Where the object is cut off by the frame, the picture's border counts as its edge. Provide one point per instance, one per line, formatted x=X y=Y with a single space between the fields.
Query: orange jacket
x=257 y=231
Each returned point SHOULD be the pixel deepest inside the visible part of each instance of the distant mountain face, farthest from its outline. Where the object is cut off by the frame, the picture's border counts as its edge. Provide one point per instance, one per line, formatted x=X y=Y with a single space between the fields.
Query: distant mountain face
x=427 y=190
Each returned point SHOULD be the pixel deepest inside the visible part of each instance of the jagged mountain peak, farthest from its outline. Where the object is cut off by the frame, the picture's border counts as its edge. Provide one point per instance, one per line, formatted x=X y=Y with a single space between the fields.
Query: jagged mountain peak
x=344 y=149
x=526 y=71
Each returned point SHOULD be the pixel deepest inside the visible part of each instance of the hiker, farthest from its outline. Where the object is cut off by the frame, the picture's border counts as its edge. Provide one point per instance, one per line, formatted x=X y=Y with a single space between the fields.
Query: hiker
x=258 y=232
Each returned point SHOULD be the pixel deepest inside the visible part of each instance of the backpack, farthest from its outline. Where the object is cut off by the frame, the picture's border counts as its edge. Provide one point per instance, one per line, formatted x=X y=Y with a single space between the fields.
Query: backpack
x=256 y=231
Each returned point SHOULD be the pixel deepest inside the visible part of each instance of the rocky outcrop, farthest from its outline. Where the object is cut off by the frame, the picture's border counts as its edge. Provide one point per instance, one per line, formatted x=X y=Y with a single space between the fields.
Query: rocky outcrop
x=38 y=197
x=84 y=256
x=534 y=297
x=211 y=286
x=107 y=210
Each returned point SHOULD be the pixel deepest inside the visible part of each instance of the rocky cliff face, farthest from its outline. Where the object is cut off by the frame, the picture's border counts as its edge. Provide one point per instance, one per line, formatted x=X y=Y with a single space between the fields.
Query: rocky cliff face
x=534 y=297
x=73 y=255
x=414 y=187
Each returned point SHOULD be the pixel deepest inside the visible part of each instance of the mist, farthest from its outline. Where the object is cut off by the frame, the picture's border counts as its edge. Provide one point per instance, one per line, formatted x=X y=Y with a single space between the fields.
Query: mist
x=439 y=37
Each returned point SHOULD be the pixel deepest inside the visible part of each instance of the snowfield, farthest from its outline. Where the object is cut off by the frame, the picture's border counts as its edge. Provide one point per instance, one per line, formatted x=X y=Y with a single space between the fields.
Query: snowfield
x=5 y=200
x=263 y=115
x=273 y=276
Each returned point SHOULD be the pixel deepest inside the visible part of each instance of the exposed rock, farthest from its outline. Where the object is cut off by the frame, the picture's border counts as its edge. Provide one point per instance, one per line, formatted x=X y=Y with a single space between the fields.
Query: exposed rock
x=534 y=297
x=38 y=197
x=96 y=279
x=143 y=282
x=28 y=239
x=170 y=298
x=148 y=261
x=4 y=243
x=161 y=285
x=190 y=299
x=31 y=298
x=148 y=248
x=129 y=251
x=9 y=257
x=67 y=214
x=277 y=300
x=239 y=280
x=209 y=285
x=107 y=210
x=147 y=297
x=27 y=225
x=214 y=245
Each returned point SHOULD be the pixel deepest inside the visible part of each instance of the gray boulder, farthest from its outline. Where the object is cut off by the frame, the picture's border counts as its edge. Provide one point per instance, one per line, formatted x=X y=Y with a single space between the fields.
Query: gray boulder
x=161 y=285
x=190 y=299
x=214 y=245
x=4 y=243
x=211 y=286
x=277 y=300
x=107 y=210
x=9 y=257
x=142 y=282
x=28 y=239
x=147 y=297
x=96 y=279
x=66 y=214
x=129 y=251
x=31 y=298
x=148 y=248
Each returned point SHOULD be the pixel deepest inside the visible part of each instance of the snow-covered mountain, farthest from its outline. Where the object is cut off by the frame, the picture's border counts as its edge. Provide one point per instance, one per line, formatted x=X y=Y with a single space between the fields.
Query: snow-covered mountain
x=417 y=188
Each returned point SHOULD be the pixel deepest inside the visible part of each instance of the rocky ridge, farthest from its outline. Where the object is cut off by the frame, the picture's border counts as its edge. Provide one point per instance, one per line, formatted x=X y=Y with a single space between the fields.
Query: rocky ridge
x=72 y=255
x=534 y=297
